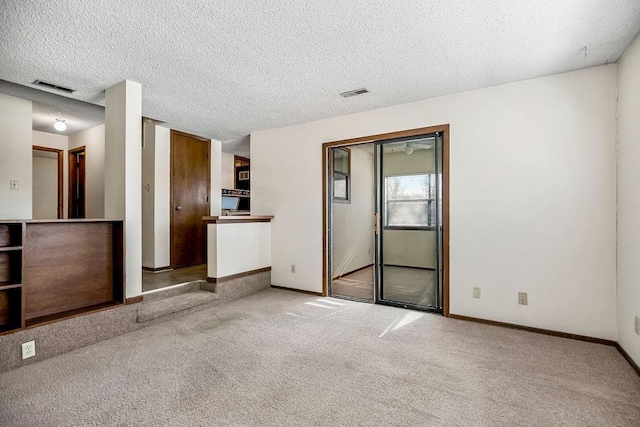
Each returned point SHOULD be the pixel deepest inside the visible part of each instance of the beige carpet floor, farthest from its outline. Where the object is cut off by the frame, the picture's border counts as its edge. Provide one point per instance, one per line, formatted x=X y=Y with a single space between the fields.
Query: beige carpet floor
x=284 y=358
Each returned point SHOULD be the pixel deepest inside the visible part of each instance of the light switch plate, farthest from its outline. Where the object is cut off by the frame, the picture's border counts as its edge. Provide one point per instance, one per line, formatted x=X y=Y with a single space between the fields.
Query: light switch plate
x=15 y=185
x=476 y=292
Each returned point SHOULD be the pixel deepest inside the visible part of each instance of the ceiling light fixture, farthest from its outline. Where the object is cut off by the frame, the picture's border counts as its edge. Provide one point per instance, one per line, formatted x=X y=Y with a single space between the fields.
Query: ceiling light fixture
x=60 y=125
x=408 y=148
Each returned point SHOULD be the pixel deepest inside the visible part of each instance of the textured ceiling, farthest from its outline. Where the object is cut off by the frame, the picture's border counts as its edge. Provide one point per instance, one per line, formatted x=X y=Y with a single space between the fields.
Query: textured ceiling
x=239 y=147
x=225 y=68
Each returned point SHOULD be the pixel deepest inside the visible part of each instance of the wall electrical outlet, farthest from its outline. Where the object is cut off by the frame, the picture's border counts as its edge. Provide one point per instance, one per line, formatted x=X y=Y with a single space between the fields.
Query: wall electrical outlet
x=28 y=349
x=293 y=268
x=14 y=184
x=522 y=298
x=637 y=325
x=476 y=292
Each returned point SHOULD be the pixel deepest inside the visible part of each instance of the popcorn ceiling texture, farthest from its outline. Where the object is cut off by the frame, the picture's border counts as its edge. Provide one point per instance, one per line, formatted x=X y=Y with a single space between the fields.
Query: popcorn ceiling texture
x=223 y=69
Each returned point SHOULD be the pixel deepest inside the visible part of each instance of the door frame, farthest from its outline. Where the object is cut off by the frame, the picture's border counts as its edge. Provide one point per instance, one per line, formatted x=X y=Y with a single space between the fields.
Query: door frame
x=72 y=170
x=237 y=158
x=444 y=128
x=175 y=133
x=60 y=176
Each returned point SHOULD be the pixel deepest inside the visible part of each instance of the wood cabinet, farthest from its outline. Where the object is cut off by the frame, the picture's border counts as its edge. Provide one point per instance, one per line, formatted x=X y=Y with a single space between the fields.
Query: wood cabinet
x=51 y=270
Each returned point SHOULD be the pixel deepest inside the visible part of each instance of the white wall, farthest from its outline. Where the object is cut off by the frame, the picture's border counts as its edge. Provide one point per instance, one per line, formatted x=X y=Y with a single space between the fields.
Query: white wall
x=228 y=171
x=237 y=248
x=162 y=193
x=45 y=187
x=410 y=248
x=532 y=168
x=352 y=234
x=16 y=158
x=629 y=199
x=93 y=139
x=148 y=193
x=60 y=142
x=156 y=207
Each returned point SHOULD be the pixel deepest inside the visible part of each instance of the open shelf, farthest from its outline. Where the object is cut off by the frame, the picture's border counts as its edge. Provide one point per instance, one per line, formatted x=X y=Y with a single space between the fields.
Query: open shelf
x=10 y=268
x=15 y=310
x=11 y=235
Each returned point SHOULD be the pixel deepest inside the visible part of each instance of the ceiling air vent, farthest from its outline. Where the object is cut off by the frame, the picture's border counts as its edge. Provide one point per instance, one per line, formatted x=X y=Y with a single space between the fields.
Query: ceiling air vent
x=354 y=93
x=52 y=86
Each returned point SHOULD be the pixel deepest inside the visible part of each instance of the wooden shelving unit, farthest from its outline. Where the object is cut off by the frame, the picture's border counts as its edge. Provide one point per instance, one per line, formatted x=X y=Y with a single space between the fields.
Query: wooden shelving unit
x=11 y=273
x=54 y=270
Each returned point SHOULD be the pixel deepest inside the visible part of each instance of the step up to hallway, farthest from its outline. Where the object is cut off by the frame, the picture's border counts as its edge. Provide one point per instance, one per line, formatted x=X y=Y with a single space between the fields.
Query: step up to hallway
x=187 y=297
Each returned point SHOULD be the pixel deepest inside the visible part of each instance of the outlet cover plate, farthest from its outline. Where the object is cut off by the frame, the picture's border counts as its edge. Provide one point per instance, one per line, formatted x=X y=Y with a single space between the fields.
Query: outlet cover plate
x=522 y=298
x=476 y=292
x=28 y=349
x=637 y=327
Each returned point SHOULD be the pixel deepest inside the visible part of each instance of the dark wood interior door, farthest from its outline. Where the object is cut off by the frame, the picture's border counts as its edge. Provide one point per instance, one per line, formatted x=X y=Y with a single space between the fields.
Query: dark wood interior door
x=77 y=180
x=190 y=172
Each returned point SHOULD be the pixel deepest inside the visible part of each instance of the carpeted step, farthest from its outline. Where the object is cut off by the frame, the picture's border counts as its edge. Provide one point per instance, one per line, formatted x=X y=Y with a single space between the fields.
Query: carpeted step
x=175 y=304
x=172 y=291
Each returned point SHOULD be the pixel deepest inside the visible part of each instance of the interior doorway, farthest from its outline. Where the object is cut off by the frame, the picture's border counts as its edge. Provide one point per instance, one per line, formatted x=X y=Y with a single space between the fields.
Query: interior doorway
x=242 y=181
x=190 y=189
x=47 y=183
x=386 y=219
x=77 y=182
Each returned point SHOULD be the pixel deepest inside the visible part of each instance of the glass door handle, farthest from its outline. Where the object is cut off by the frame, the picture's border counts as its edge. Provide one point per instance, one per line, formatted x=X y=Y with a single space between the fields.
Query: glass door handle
x=178 y=208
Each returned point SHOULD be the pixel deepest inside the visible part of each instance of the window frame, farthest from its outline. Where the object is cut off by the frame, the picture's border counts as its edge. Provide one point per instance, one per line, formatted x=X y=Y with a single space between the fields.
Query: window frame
x=346 y=175
x=429 y=201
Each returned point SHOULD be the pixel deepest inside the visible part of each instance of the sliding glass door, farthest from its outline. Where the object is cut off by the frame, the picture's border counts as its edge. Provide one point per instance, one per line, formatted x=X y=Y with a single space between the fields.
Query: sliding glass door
x=409 y=222
x=385 y=222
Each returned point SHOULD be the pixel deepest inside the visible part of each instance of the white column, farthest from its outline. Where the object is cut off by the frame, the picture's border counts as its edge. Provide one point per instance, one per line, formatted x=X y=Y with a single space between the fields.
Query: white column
x=123 y=176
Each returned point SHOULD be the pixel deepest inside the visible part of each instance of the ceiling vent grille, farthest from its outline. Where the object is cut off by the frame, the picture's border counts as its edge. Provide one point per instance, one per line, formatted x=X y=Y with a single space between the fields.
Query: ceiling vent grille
x=354 y=92
x=52 y=86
